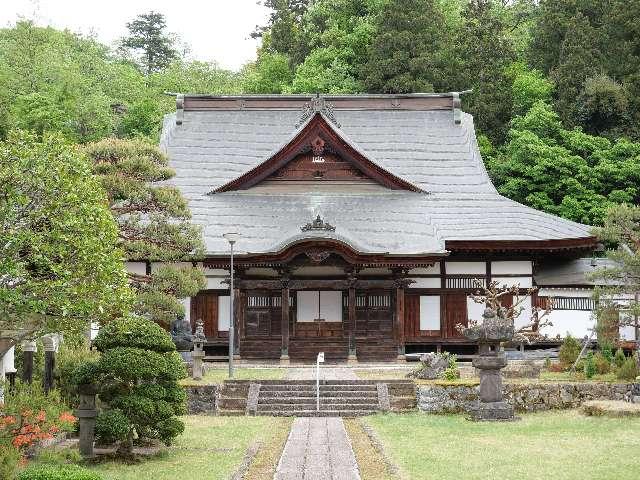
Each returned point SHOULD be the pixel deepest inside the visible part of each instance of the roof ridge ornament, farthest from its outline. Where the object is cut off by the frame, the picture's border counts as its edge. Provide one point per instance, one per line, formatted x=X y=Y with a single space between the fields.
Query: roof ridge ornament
x=457 y=106
x=318 y=224
x=317 y=104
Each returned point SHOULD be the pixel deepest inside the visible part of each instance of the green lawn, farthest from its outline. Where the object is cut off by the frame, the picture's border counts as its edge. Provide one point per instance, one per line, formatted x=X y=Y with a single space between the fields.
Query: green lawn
x=220 y=374
x=211 y=448
x=559 y=445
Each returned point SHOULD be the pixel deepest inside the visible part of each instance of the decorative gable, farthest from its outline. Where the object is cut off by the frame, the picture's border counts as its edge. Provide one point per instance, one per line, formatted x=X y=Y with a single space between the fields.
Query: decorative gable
x=318 y=152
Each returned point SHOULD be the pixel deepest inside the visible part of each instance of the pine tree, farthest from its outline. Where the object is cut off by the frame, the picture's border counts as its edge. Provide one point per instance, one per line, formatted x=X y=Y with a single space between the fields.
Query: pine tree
x=148 y=39
x=407 y=54
x=154 y=225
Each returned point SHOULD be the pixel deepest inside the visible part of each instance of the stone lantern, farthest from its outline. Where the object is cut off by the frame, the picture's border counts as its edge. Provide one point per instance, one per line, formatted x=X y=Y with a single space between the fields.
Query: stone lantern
x=198 y=351
x=494 y=330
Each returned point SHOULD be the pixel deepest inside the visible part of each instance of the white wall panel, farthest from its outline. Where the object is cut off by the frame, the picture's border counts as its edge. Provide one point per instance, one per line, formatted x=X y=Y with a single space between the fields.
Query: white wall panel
x=307 y=306
x=331 y=306
x=425 y=283
x=575 y=322
x=457 y=268
x=475 y=310
x=224 y=303
x=187 y=308
x=525 y=316
x=512 y=267
x=215 y=283
x=429 y=312
x=524 y=282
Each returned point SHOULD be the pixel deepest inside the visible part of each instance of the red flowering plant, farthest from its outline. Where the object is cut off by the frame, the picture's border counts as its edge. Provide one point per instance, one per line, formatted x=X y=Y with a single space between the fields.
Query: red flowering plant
x=30 y=416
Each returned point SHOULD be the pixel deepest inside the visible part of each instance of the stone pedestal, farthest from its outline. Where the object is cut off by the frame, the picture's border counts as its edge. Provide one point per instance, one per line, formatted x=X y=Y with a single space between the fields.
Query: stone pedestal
x=284 y=360
x=87 y=413
x=197 y=358
x=352 y=359
x=491 y=406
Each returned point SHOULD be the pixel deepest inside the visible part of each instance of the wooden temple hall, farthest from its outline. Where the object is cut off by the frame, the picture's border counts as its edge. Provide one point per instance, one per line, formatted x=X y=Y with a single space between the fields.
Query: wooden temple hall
x=364 y=220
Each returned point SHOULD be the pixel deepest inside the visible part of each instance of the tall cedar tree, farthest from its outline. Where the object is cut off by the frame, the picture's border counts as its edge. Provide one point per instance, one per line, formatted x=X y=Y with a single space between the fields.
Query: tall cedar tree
x=622 y=278
x=487 y=50
x=59 y=265
x=147 y=39
x=283 y=33
x=154 y=224
x=406 y=53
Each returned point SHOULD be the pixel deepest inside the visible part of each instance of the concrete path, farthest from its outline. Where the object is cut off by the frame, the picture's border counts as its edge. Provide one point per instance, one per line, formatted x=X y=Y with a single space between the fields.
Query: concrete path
x=326 y=373
x=317 y=449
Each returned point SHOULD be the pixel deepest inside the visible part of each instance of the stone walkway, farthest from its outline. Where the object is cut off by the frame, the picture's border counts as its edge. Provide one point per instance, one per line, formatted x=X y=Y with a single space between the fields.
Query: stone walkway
x=317 y=449
x=326 y=373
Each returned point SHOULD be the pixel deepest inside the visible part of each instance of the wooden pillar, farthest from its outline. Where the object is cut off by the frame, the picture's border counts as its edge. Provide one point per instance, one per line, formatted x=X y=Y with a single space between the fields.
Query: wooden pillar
x=238 y=318
x=28 y=350
x=352 y=324
x=284 y=328
x=50 y=348
x=400 y=321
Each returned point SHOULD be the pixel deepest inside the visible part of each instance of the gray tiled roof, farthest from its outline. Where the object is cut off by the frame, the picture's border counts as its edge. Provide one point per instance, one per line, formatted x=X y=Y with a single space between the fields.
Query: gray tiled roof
x=426 y=148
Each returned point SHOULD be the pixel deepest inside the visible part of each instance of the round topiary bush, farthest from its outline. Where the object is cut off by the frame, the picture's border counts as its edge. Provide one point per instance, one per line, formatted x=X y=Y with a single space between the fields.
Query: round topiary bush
x=58 y=472
x=137 y=375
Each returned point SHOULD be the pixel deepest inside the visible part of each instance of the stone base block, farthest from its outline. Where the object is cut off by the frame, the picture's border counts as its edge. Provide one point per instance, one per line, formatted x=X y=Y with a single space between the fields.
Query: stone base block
x=401 y=358
x=284 y=360
x=352 y=360
x=491 y=411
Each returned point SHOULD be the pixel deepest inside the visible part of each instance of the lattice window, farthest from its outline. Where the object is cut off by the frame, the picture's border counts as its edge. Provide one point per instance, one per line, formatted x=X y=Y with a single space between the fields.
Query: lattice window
x=573 y=303
x=263 y=301
x=464 y=282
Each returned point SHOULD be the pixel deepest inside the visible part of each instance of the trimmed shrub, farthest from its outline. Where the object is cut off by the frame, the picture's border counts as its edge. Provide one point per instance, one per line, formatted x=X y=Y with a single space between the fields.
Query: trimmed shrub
x=589 y=366
x=58 y=472
x=629 y=370
x=451 y=372
x=111 y=426
x=137 y=374
x=569 y=351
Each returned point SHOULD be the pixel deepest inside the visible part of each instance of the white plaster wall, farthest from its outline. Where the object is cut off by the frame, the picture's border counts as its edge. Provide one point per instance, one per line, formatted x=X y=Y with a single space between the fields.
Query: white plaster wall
x=139 y=268
x=627 y=332
x=425 y=283
x=187 y=308
x=525 y=316
x=429 y=312
x=523 y=267
x=456 y=268
x=524 y=282
x=215 y=283
x=474 y=310
x=575 y=322
x=223 y=313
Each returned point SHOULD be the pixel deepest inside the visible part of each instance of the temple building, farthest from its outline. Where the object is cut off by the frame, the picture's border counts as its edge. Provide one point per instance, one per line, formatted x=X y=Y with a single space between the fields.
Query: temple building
x=365 y=222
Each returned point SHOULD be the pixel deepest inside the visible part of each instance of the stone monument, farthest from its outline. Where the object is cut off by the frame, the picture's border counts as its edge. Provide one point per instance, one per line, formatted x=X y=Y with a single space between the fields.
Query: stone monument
x=198 y=351
x=182 y=337
x=87 y=413
x=495 y=328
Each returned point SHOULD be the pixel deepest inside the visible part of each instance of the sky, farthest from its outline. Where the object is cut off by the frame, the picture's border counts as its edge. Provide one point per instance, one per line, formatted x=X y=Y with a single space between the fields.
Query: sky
x=215 y=29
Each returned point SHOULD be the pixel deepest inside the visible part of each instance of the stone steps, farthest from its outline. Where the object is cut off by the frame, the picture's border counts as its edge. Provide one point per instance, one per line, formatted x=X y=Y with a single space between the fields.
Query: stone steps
x=321 y=413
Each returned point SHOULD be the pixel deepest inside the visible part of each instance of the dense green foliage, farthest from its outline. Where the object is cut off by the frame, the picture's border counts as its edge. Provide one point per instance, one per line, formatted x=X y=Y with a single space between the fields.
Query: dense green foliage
x=58 y=472
x=569 y=351
x=556 y=83
x=59 y=265
x=137 y=375
x=154 y=224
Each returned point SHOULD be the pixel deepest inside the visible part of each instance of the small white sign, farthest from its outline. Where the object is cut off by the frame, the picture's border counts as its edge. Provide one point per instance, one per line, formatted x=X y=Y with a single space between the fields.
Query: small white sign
x=321 y=357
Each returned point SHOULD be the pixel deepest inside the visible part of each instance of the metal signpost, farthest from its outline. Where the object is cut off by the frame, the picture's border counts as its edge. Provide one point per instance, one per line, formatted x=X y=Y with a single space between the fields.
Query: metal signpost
x=318 y=362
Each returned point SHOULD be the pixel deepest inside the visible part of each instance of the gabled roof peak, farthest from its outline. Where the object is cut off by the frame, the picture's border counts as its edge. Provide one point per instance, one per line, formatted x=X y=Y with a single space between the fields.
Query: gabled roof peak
x=318 y=130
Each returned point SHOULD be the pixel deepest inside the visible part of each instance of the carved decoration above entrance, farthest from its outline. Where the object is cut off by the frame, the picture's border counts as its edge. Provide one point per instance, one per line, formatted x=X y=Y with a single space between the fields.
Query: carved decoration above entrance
x=318 y=224
x=318 y=256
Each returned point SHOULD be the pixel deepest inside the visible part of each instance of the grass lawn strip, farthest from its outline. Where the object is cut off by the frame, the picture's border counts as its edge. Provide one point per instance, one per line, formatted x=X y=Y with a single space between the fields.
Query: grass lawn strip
x=372 y=463
x=560 y=445
x=211 y=448
x=265 y=462
x=219 y=375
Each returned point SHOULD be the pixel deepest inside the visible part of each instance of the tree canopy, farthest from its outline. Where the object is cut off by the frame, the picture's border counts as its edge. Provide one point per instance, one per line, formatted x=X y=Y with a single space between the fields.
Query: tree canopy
x=60 y=267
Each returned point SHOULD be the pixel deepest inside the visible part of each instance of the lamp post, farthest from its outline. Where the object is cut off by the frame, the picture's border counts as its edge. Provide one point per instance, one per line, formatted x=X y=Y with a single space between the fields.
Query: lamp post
x=232 y=238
